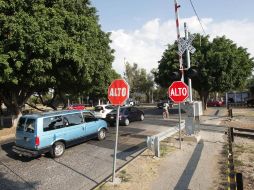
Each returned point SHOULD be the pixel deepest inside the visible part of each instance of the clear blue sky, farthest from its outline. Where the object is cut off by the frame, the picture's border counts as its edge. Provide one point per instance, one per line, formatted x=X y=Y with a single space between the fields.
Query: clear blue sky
x=130 y=14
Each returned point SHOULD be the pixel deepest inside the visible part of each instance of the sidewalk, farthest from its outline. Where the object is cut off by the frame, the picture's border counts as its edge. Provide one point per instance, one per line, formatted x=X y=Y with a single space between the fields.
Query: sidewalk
x=195 y=166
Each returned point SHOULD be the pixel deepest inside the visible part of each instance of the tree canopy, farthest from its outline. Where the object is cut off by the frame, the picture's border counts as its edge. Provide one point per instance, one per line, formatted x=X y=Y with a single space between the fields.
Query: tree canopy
x=221 y=65
x=52 y=44
x=139 y=80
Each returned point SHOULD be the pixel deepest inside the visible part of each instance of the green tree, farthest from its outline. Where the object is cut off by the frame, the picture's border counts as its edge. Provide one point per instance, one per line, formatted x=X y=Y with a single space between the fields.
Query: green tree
x=221 y=64
x=139 y=80
x=51 y=44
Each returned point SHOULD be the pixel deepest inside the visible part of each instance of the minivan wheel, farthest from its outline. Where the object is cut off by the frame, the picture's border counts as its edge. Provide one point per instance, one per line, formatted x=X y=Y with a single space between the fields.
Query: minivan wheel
x=101 y=134
x=142 y=117
x=126 y=122
x=57 y=149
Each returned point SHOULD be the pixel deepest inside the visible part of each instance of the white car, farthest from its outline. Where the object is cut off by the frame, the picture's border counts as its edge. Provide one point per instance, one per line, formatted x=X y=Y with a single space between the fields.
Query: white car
x=101 y=111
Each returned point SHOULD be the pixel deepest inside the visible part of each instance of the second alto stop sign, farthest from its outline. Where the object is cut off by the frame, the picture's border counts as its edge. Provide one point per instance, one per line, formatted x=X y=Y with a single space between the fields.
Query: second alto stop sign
x=178 y=91
x=118 y=92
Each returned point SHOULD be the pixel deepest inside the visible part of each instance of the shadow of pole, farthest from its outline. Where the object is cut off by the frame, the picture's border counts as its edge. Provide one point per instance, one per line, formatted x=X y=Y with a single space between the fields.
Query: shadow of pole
x=188 y=172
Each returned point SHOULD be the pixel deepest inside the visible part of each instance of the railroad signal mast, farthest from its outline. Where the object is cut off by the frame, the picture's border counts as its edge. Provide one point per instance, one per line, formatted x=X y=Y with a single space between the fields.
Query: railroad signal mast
x=177 y=6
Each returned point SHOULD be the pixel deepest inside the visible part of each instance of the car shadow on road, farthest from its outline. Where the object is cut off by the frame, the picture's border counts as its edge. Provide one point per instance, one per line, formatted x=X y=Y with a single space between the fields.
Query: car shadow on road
x=189 y=170
x=7 y=147
x=7 y=183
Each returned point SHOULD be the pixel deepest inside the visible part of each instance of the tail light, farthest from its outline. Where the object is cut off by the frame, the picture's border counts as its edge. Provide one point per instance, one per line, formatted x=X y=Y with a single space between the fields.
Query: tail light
x=37 y=141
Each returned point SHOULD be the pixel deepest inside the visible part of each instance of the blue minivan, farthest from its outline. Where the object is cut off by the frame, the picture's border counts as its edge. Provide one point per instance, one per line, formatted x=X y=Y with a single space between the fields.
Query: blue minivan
x=52 y=132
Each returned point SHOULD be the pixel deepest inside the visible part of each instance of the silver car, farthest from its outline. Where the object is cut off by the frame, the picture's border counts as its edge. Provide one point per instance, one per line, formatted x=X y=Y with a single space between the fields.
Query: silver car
x=101 y=111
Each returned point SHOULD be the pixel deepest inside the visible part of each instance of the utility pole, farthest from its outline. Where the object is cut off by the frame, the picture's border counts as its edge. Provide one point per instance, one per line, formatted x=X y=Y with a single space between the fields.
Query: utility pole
x=178 y=37
x=188 y=61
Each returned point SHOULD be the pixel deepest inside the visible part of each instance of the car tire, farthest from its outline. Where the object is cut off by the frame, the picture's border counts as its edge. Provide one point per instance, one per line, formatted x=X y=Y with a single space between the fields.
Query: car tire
x=101 y=134
x=57 y=149
x=126 y=122
x=142 y=117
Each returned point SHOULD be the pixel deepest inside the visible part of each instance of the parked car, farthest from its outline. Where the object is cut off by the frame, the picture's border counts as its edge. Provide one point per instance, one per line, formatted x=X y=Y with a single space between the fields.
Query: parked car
x=131 y=102
x=250 y=102
x=54 y=131
x=214 y=103
x=161 y=103
x=101 y=111
x=126 y=115
x=76 y=107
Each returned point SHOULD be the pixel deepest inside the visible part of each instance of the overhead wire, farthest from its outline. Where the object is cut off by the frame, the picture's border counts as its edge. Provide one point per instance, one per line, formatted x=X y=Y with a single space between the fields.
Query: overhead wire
x=197 y=16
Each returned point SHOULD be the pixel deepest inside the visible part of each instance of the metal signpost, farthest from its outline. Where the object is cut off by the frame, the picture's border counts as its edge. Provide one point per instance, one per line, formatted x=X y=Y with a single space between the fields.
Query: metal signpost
x=178 y=92
x=118 y=93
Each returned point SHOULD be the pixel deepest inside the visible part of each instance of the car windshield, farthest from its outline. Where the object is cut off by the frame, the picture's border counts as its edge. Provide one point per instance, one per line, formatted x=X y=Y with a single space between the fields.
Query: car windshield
x=98 y=108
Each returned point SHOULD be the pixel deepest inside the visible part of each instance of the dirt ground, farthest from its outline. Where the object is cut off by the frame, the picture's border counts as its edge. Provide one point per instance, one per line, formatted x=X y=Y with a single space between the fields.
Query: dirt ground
x=144 y=170
x=242 y=118
x=140 y=172
x=244 y=160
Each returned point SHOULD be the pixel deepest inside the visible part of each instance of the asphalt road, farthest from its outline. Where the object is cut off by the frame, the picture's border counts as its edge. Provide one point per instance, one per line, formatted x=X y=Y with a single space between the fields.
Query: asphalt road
x=82 y=166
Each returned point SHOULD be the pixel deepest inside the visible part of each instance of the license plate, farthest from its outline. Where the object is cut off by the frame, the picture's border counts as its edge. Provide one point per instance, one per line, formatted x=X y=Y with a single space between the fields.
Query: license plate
x=112 y=117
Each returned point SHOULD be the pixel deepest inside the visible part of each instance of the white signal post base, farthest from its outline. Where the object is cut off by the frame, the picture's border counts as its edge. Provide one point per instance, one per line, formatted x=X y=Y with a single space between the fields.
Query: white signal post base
x=117 y=181
x=192 y=123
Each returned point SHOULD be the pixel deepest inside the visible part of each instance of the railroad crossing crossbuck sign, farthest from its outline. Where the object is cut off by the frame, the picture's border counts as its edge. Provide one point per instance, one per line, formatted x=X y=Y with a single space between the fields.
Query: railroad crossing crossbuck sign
x=185 y=44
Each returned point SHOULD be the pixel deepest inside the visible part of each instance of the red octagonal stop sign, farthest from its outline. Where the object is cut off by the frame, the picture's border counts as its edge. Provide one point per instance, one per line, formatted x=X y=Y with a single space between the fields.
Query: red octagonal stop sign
x=178 y=91
x=118 y=92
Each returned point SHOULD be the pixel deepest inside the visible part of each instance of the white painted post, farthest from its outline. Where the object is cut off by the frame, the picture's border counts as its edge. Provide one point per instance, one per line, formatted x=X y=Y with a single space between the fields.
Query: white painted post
x=188 y=61
x=115 y=150
x=178 y=37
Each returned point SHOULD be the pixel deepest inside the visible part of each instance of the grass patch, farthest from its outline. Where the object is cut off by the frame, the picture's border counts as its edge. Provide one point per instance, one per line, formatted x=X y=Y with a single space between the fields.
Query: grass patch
x=125 y=177
x=165 y=149
x=238 y=163
x=223 y=168
x=103 y=187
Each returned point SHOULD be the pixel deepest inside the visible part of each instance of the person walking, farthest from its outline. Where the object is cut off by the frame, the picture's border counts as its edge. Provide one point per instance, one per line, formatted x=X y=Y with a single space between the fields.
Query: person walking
x=165 y=110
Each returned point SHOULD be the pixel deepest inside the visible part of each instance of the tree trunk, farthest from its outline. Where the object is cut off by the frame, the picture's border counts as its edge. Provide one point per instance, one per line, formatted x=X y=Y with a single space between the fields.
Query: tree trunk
x=48 y=103
x=15 y=111
x=204 y=96
x=14 y=101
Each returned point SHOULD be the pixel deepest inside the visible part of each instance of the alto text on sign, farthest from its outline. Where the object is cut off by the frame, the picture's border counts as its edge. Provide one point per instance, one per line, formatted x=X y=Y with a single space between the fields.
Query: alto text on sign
x=178 y=92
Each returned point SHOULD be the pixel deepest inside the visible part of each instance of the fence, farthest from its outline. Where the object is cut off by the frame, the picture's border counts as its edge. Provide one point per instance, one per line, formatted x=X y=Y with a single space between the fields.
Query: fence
x=153 y=142
x=235 y=180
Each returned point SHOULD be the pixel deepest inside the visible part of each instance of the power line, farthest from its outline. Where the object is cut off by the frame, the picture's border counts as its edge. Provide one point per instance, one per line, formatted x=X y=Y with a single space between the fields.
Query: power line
x=197 y=17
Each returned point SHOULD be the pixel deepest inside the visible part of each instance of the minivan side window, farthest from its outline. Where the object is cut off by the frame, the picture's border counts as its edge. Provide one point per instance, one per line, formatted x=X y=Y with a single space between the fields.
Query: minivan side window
x=89 y=117
x=52 y=123
x=30 y=125
x=21 y=124
x=72 y=119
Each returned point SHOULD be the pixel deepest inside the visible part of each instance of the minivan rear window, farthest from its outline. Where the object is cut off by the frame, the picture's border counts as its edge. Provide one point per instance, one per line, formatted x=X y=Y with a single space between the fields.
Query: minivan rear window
x=26 y=125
